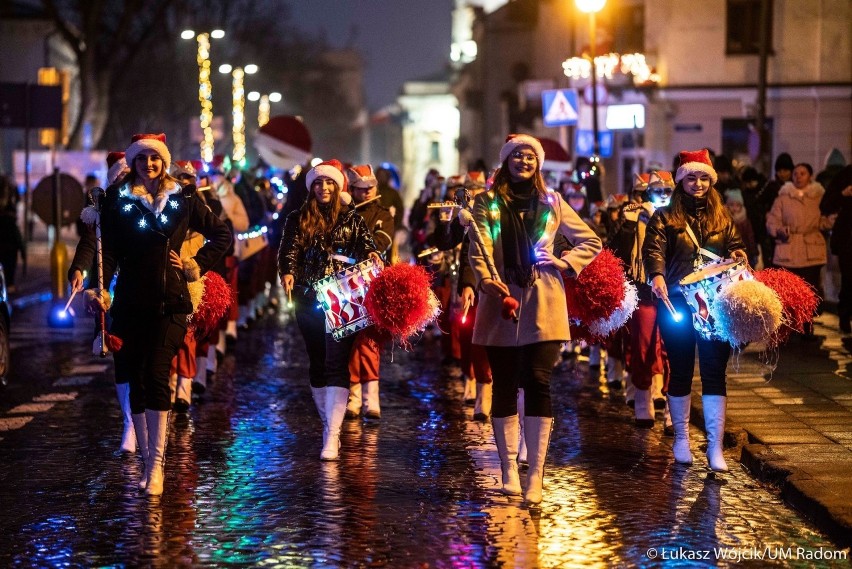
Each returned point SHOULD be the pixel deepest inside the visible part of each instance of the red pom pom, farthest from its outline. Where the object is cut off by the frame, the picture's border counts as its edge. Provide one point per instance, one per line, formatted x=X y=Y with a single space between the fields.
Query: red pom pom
x=799 y=302
x=597 y=291
x=510 y=308
x=113 y=342
x=400 y=301
x=215 y=301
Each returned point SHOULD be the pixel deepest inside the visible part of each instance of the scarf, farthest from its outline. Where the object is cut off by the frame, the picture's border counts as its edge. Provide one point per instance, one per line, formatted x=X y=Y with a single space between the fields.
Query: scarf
x=518 y=257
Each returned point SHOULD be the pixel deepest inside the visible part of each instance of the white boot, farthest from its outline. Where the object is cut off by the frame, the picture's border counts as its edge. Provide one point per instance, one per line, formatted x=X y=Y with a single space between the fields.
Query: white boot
x=522 y=444
x=173 y=380
x=158 y=429
x=629 y=390
x=183 y=394
x=353 y=406
x=537 y=432
x=482 y=407
x=506 y=434
x=657 y=391
x=128 y=435
x=335 y=409
x=212 y=360
x=140 y=427
x=668 y=428
x=469 y=390
x=319 y=394
x=643 y=409
x=679 y=409
x=230 y=330
x=199 y=382
x=714 y=424
x=372 y=409
x=614 y=371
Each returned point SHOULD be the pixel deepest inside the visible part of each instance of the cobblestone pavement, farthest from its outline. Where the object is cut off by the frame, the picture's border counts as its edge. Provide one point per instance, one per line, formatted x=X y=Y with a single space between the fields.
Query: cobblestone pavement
x=244 y=485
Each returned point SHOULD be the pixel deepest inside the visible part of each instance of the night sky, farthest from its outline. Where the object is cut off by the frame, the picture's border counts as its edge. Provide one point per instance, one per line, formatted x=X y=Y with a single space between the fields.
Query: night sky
x=399 y=39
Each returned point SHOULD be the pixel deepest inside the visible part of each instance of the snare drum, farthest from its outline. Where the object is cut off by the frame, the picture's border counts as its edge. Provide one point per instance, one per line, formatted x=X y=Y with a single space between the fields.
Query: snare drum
x=342 y=298
x=701 y=287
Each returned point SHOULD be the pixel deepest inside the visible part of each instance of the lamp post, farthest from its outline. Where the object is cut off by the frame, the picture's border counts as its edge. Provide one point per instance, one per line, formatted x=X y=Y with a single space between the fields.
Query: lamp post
x=238 y=94
x=592 y=7
x=263 y=106
x=205 y=89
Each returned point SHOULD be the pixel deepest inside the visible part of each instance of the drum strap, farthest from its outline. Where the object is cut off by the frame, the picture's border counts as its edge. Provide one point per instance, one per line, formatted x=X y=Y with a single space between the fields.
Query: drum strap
x=701 y=250
x=344 y=259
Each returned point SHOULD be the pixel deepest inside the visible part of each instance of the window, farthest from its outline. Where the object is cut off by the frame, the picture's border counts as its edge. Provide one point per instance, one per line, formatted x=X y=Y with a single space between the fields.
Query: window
x=435 y=151
x=743 y=27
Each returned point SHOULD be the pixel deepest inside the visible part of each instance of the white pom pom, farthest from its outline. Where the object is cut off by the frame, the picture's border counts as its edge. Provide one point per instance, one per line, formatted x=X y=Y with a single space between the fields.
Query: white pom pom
x=89 y=216
x=603 y=327
x=746 y=311
x=345 y=198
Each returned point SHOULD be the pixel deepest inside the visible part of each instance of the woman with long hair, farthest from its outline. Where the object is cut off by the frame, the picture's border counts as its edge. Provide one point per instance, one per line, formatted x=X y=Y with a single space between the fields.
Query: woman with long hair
x=694 y=229
x=143 y=229
x=323 y=237
x=518 y=219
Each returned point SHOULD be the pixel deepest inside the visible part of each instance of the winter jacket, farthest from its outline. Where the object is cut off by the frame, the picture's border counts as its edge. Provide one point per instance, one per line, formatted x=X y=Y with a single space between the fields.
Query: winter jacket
x=798 y=212
x=626 y=242
x=308 y=263
x=233 y=206
x=137 y=237
x=669 y=251
x=380 y=223
x=543 y=312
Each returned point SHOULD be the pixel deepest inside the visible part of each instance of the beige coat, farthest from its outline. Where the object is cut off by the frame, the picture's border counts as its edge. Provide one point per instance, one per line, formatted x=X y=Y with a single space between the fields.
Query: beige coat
x=798 y=212
x=543 y=313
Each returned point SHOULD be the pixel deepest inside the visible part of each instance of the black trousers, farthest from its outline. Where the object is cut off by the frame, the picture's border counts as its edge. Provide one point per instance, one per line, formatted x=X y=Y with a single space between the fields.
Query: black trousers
x=529 y=367
x=329 y=359
x=150 y=342
x=681 y=339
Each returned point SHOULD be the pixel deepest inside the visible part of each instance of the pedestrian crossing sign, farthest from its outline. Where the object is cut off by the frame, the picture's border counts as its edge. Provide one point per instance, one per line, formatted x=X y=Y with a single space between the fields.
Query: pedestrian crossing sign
x=559 y=107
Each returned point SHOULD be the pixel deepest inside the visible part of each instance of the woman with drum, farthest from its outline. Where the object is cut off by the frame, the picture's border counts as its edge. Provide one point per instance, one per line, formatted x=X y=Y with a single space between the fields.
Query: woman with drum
x=322 y=238
x=514 y=265
x=694 y=229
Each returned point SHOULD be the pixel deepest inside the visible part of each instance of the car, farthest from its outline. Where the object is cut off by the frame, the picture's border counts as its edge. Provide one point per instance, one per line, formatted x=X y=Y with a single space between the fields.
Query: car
x=5 y=318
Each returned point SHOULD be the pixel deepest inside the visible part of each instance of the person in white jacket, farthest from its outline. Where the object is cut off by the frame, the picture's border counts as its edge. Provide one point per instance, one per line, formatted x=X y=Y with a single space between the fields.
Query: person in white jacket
x=233 y=208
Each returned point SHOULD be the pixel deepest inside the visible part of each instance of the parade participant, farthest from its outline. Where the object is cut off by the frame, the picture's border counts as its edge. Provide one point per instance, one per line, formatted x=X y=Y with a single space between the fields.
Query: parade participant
x=143 y=230
x=693 y=229
x=324 y=237
x=517 y=220
x=365 y=358
x=646 y=361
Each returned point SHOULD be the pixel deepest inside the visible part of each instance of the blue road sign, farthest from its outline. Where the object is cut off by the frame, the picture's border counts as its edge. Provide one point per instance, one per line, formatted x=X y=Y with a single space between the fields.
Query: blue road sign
x=584 y=143
x=559 y=107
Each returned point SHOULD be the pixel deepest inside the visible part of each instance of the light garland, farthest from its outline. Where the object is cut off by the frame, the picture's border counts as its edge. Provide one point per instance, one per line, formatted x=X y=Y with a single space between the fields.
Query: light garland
x=633 y=64
x=239 y=130
x=205 y=97
x=263 y=110
x=256 y=231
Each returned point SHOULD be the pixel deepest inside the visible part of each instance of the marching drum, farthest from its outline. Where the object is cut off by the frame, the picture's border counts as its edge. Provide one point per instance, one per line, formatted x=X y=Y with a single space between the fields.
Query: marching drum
x=701 y=287
x=342 y=298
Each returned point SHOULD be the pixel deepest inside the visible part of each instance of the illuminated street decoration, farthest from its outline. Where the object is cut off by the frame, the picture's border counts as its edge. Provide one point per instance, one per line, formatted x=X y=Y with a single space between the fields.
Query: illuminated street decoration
x=239 y=130
x=632 y=64
x=205 y=97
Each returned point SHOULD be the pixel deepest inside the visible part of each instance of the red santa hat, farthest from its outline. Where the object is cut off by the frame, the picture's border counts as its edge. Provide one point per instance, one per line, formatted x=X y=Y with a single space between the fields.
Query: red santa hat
x=284 y=142
x=515 y=140
x=661 y=178
x=361 y=176
x=474 y=179
x=640 y=182
x=332 y=169
x=695 y=162
x=183 y=168
x=155 y=142
x=116 y=166
x=615 y=201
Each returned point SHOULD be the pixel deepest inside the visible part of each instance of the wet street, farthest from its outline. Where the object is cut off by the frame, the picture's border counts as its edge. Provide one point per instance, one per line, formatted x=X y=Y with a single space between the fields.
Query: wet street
x=244 y=485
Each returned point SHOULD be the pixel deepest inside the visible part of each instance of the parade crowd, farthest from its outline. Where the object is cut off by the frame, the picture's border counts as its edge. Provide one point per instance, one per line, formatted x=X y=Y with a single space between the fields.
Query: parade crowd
x=498 y=244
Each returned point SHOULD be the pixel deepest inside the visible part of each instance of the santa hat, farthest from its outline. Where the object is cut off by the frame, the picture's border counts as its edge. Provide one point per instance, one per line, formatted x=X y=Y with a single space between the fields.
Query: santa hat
x=661 y=178
x=332 y=169
x=615 y=201
x=198 y=166
x=515 y=140
x=284 y=142
x=454 y=182
x=183 y=168
x=640 y=182
x=116 y=165
x=695 y=162
x=155 y=142
x=361 y=176
x=474 y=180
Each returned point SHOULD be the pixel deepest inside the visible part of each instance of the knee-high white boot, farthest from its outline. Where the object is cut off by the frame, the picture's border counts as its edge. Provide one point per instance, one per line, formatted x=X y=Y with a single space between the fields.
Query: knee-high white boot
x=158 y=429
x=679 y=409
x=469 y=390
x=372 y=409
x=643 y=409
x=537 y=432
x=506 y=434
x=657 y=391
x=335 y=409
x=714 y=424
x=199 y=382
x=140 y=427
x=319 y=394
x=629 y=390
x=522 y=444
x=614 y=371
x=128 y=435
x=173 y=381
x=482 y=407
x=183 y=394
x=353 y=406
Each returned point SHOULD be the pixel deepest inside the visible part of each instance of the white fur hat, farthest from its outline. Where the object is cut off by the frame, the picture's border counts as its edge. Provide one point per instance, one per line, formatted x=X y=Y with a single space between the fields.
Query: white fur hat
x=515 y=140
x=155 y=142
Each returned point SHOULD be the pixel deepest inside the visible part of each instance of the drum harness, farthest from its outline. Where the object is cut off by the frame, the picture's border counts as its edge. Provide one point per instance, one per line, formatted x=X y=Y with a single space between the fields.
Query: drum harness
x=702 y=252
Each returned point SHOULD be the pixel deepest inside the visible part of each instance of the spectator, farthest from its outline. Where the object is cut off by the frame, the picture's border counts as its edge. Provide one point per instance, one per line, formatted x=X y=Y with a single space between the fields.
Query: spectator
x=736 y=206
x=765 y=199
x=11 y=240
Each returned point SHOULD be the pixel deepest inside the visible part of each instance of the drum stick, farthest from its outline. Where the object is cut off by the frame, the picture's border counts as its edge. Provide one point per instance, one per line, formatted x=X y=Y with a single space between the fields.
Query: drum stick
x=365 y=202
x=289 y=298
x=464 y=311
x=675 y=314
x=67 y=304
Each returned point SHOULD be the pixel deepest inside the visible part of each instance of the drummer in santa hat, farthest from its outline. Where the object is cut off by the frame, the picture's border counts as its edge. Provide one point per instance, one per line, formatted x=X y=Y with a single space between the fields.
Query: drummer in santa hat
x=694 y=229
x=323 y=237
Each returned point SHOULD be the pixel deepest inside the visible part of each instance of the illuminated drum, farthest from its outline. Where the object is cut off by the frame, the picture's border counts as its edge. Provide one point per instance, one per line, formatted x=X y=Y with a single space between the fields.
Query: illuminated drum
x=701 y=287
x=342 y=298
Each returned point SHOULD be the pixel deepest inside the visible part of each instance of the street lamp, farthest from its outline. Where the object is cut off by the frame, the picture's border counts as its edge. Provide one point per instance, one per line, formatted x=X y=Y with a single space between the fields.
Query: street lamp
x=592 y=7
x=205 y=88
x=263 y=107
x=238 y=95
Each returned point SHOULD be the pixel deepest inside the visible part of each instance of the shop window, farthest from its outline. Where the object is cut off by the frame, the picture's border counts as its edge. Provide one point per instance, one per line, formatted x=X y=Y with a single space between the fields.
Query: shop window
x=743 y=27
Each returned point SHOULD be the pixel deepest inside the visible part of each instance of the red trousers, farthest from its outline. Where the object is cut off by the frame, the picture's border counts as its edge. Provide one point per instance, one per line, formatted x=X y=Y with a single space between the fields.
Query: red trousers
x=184 y=362
x=231 y=277
x=647 y=355
x=474 y=359
x=364 y=359
x=450 y=346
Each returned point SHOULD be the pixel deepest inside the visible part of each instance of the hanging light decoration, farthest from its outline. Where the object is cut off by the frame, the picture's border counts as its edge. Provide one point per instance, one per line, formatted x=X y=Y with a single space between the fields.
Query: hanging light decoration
x=239 y=130
x=205 y=97
x=632 y=64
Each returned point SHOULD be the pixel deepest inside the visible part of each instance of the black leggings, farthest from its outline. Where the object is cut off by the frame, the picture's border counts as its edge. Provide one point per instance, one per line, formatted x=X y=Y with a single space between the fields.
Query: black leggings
x=145 y=358
x=529 y=367
x=329 y=359
x=680 y=340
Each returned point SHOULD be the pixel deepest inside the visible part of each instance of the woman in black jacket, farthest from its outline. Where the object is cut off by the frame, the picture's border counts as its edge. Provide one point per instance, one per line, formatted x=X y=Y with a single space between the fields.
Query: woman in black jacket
x=325 y=236
x=143 y=229
x=670 y=253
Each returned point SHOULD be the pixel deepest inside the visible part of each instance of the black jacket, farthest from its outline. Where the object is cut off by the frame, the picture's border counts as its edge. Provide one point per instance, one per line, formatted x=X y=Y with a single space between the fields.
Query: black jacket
x=138 y=241
x=669 y=251
x=312 y=262
x=380 y=223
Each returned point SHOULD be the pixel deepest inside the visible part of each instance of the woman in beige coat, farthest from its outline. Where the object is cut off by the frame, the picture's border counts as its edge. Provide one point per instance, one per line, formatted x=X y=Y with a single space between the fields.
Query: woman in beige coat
x=518 y=220
x=795 y=223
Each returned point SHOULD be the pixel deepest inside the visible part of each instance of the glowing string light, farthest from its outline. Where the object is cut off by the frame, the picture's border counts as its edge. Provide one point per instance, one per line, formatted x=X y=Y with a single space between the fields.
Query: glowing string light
x=205 y=97
x=173 y=204
x=263 y=110
x=142 y=223
x=633 y=64
x=239 y=115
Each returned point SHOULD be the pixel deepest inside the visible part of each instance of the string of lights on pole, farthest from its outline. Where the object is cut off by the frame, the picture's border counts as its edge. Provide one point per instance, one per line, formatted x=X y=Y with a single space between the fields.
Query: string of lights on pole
x=264 y=105
x=238 y=96
x=205 y=88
